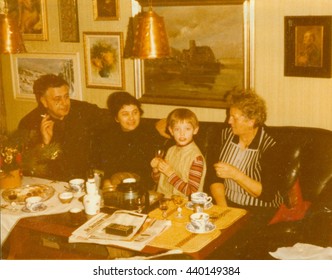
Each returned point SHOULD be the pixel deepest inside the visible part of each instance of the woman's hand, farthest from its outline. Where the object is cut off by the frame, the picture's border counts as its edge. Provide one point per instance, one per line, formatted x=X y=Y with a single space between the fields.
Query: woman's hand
x=46 y=129
x=161 y=126
x=225 y=170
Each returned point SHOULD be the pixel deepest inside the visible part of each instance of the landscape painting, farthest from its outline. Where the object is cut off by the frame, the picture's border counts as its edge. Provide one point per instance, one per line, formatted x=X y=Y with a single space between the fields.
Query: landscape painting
x=26 y=68
x=207 y=56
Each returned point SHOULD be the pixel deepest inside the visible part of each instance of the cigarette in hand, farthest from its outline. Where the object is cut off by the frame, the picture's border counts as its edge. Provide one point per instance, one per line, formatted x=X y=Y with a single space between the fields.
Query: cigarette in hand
x=43 y=115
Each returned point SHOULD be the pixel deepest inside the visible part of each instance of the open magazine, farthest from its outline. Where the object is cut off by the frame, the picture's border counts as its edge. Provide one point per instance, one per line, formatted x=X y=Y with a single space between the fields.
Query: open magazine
x=143 y=229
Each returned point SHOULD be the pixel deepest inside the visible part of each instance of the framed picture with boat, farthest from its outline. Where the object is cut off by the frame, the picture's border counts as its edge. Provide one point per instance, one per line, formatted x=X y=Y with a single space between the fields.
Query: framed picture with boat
x=210 y=54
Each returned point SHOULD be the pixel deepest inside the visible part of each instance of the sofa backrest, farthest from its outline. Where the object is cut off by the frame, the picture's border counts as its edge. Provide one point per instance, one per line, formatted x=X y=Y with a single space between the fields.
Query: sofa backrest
x=308 y=153
x=312 y=148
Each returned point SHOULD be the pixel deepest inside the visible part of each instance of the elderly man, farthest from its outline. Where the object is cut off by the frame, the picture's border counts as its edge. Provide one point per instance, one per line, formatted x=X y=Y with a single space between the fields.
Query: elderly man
x=72 y=124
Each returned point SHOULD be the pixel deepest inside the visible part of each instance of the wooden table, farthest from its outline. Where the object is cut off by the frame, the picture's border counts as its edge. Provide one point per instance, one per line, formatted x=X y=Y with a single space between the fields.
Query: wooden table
x=46 y=237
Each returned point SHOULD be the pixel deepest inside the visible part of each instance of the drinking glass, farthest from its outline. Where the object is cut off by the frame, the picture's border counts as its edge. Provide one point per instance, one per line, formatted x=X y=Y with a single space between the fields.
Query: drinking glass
x=12 y=197
x=160 y=153
x=178 y=199
x=140 y=203
x=163 y=206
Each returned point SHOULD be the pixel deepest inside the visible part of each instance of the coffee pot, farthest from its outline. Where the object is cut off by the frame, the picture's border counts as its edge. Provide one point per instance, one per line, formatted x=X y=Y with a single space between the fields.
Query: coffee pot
x=129 y=190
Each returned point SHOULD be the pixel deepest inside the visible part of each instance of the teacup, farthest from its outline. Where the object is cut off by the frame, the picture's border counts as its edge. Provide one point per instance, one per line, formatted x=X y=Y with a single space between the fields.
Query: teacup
x=66 y=197
x=33 y=203
x=199 y=221
x=76 y=185
x=200 y=200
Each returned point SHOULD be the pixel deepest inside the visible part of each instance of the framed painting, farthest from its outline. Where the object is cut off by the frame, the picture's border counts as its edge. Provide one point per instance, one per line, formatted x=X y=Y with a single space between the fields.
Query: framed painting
x=104 y=66
x=211 y=53
x=106 y=9
x=32 y=19
x=28 y=67
x=68 y=21
x=308 y=46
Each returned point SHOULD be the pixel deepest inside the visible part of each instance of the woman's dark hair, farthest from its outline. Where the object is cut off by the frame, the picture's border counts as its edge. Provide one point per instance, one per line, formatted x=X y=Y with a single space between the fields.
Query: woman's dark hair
x=43 y=83
x=118 y=99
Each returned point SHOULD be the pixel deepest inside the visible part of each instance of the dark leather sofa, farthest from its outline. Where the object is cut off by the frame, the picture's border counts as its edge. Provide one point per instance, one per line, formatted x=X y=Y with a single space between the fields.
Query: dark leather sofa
x=308 y=155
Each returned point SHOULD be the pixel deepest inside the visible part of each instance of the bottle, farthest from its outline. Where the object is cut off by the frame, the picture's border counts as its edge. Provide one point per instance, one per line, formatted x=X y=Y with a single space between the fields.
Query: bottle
x=91 y=200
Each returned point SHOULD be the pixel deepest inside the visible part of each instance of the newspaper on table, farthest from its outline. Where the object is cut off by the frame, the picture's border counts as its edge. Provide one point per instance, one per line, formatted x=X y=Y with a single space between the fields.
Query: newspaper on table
x=93 y=231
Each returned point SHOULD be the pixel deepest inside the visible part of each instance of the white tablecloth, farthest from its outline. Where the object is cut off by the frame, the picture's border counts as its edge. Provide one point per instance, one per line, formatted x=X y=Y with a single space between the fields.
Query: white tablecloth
x=9 y=217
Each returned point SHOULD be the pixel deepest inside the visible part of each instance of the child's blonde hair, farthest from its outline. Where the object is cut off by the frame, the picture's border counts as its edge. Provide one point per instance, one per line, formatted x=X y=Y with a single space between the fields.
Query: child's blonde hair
x=182 y=115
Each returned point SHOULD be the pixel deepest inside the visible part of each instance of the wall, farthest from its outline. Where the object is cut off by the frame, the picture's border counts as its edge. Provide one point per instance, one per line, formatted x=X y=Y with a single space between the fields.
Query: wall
x=291 y=100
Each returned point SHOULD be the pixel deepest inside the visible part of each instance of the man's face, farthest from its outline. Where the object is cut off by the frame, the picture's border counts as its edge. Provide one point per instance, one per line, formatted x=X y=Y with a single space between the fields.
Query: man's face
x=57 y=102
x=308 y=38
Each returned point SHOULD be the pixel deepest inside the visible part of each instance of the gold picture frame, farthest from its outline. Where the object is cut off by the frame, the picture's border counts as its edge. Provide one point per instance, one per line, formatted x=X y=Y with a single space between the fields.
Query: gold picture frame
x=104 y=65
x=176 y=80
x=32 y=18
x=106 y=9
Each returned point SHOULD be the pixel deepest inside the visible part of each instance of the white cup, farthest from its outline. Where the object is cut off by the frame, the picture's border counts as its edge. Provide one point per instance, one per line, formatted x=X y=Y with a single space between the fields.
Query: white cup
x=199 y=221
x=66 y=197
x=76 y=185
x=200 y=200
x=32 y=203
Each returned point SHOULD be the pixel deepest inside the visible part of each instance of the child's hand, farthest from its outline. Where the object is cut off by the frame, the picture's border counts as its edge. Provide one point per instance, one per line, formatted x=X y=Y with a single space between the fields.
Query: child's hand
x=165 y=168
x=154 y=162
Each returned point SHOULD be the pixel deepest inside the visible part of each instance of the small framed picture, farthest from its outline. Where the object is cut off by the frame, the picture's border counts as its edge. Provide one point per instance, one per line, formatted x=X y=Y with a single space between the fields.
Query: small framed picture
x=28 y=67
x=105 y=9
x=32 y=20
x=308 y=46
x=68 y=21
x=104 y=66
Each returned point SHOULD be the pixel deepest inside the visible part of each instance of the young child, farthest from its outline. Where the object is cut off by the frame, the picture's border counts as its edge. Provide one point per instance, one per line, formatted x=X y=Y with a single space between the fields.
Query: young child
x=182 y=172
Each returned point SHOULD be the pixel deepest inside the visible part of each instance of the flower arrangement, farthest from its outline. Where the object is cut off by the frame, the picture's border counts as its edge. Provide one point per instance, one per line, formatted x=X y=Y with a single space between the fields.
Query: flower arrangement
x=20 y=151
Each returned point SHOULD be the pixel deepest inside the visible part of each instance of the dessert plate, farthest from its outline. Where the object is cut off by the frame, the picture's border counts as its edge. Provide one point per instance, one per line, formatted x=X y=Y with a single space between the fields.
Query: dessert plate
x=19 y=195
x=209 y=227
x=40 y=208
x=190 y=205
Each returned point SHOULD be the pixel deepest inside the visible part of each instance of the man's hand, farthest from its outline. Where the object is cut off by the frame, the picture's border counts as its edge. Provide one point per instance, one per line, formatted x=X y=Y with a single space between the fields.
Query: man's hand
x=46 y=129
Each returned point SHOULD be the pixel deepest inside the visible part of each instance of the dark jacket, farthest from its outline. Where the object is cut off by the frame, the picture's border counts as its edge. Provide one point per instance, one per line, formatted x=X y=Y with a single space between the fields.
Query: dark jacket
x=76 y=135
x=130 y=151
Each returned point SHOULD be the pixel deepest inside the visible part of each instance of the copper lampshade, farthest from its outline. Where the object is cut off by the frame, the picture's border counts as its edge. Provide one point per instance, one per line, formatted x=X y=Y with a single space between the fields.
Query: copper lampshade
x=10 y=37
x=150 y=37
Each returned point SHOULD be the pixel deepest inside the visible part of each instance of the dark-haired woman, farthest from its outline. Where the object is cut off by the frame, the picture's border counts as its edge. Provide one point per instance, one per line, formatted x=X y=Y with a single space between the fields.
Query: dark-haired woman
x=130 y=143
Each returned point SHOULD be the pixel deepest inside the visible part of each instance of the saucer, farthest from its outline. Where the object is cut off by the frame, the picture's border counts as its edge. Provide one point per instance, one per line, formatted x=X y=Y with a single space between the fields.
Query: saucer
x=40 y=208
x=190 y=205
x=209 y=227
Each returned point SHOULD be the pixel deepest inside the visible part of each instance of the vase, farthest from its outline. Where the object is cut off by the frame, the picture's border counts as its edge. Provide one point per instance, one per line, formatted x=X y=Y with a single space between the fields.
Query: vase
x=13 y=179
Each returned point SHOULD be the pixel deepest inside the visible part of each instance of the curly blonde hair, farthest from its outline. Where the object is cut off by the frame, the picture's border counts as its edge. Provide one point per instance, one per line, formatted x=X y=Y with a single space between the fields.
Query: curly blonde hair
x=251 y=105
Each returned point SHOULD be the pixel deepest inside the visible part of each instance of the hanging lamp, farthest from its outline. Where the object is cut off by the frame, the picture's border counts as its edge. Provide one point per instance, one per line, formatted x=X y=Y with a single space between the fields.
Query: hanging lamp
x=10 y=37
x=150 y=37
